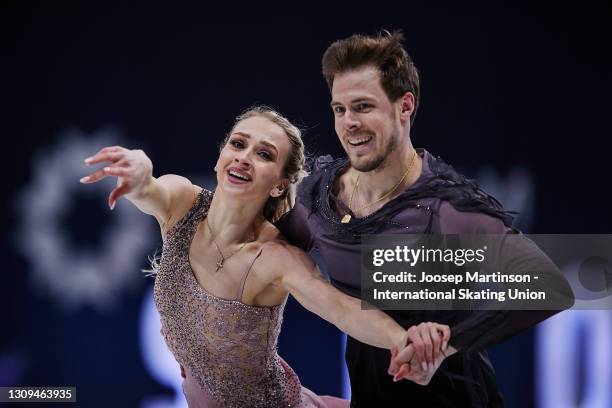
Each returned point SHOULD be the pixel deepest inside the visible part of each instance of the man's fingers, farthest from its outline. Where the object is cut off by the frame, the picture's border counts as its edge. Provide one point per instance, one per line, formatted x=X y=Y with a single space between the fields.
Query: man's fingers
x=393 y=367
x=116 y=193
x=404 y=355
x=403 y=372
x=400 y=357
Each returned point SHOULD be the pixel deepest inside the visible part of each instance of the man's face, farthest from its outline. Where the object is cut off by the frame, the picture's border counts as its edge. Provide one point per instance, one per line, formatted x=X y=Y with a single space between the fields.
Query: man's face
x=366 y=121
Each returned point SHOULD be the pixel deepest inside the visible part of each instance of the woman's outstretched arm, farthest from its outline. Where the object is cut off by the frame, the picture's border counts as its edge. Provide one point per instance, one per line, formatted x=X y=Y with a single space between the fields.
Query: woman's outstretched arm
x=299 y=275
x=167 y=198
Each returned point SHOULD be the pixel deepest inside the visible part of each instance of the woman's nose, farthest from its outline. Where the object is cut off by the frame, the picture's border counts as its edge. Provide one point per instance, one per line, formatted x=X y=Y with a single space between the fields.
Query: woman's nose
x=243 y=158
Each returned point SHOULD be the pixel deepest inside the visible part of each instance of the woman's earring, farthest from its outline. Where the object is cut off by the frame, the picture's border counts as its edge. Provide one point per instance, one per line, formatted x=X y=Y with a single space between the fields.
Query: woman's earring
x=215 y=169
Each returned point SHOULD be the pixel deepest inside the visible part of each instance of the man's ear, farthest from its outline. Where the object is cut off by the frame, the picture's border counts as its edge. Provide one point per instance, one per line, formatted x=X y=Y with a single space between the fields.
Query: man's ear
x=407 y=106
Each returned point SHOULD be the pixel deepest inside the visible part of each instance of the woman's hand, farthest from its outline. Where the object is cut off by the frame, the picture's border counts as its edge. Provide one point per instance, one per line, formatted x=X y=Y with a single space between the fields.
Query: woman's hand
x=133 y=169
x=412 y=370
x=418 y=357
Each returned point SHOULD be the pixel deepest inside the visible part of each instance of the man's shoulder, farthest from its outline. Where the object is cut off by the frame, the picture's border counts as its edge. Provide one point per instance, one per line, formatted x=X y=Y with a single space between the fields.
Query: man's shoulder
x=323 y=169
x=320 y=163
x=455 y=221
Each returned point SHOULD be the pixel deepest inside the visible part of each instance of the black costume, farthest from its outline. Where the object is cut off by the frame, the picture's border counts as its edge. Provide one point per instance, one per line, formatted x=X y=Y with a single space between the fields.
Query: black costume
x=441 y=201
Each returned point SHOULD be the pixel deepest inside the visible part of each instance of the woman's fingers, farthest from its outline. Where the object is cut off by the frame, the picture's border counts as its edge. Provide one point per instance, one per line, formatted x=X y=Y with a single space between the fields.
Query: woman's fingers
x=116 y=193
x=427 y=341
x=414 y=338
x=95 y=176
x=106 y=171
x=132 y=167
x=112 y=154
x=436 y=342
x=104 y=156
x=445 y=334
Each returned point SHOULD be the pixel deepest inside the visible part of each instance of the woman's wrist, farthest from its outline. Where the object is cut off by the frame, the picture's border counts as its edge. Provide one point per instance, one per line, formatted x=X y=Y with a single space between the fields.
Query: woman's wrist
x=397 y=337
x=144 y=189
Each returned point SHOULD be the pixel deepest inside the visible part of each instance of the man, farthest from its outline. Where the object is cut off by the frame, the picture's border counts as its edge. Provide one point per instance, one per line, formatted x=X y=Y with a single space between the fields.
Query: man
x=387 y=186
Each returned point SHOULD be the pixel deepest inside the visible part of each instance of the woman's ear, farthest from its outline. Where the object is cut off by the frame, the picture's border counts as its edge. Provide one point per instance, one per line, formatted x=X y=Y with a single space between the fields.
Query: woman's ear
x=280 y=188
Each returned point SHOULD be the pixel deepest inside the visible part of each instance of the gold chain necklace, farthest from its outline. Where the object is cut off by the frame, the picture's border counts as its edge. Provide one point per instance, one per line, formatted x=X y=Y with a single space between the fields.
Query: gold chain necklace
x=219 y=264
x=347 y=217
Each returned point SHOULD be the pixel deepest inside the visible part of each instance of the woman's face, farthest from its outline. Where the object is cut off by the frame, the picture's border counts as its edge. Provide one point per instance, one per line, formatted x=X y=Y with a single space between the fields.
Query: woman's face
x=251 y=162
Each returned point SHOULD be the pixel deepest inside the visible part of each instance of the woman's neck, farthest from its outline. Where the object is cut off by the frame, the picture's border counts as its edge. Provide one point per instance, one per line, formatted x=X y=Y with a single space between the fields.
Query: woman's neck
x=233 y=221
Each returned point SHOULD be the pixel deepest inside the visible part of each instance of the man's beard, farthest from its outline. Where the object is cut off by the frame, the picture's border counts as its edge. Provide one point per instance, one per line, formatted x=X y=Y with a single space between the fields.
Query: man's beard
x=378 y=161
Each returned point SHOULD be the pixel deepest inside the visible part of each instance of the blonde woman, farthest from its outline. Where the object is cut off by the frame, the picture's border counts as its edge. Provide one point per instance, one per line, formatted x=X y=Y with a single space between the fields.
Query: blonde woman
x=225 y=271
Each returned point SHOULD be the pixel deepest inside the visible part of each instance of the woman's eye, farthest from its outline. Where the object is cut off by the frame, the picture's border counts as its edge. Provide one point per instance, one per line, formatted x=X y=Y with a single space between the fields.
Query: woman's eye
x=265 y=155
x=237 y=143
x=338 y=110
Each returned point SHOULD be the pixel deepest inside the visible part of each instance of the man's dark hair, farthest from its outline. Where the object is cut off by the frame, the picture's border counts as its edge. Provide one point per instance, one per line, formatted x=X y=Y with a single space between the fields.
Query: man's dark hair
x=385 y=52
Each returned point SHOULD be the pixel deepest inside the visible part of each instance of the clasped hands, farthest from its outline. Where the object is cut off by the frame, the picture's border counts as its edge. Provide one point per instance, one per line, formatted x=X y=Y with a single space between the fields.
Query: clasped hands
x=420 y=353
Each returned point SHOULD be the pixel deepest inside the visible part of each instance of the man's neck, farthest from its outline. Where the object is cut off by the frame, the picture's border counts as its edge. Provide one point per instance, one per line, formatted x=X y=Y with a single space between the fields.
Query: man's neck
x=396 y=175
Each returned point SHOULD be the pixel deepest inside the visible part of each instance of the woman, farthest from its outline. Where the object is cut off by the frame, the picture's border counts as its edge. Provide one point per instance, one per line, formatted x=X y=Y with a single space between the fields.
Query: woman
x=225 y=271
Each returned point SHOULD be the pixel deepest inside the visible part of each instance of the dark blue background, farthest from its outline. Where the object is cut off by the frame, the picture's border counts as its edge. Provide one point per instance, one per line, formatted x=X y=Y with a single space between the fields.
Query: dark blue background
x=502 y=85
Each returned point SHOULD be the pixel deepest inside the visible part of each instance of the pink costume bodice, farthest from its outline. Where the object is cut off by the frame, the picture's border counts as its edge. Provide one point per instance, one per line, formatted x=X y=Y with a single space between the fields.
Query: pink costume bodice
x=227 y=348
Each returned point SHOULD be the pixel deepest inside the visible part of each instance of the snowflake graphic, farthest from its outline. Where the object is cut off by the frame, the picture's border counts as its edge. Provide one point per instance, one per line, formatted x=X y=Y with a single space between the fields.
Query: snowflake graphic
x=73 y=276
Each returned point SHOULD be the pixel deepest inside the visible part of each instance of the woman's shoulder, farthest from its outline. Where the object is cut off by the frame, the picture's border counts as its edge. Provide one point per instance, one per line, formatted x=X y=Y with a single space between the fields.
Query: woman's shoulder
x=275 y=245
x=184 y=197
x=279 y=256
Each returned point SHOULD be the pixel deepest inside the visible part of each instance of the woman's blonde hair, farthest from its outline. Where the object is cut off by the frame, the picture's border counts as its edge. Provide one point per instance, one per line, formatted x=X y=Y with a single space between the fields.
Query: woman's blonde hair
x=294 y=168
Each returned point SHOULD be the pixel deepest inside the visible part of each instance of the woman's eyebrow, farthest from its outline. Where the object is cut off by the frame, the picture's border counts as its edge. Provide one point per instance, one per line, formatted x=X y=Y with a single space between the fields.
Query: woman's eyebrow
x=263 y=142
x=270 y=145
x=242 y=134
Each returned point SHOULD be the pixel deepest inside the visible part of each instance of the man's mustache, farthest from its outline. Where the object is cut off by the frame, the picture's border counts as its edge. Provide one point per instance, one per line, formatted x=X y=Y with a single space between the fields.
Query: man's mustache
x=346 y=135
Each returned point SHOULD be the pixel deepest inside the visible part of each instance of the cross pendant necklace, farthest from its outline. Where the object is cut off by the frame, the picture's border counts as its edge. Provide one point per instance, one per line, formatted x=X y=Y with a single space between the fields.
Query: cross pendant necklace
x=219 y=264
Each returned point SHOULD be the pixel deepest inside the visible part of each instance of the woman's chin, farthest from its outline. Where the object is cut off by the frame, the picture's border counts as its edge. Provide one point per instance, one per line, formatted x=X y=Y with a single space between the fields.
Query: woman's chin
x=236 y=190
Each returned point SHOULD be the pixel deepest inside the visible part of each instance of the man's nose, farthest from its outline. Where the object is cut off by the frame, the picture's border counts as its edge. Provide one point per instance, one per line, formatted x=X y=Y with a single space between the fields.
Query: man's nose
x=351 y=121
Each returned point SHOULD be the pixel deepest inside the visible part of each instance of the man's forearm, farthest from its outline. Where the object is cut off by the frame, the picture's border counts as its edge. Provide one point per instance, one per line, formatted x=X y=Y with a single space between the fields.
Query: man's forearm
x=484 y=329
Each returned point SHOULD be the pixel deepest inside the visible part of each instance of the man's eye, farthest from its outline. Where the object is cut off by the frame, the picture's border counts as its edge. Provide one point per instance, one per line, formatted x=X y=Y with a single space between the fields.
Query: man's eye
x=363 y=106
